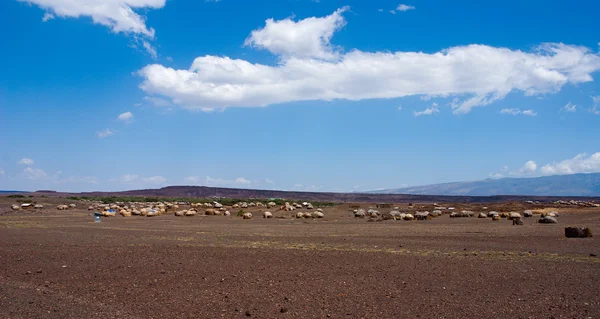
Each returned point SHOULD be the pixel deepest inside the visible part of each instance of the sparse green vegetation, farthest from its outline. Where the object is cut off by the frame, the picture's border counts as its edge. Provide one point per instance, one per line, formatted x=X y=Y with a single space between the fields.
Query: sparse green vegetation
x=15 y=196
x=241 y=213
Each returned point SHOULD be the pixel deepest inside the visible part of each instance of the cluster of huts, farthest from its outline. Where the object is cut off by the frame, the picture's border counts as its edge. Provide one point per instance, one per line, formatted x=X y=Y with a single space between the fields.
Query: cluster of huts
x=205 y=209
x=26 y=206
x=581 y=203
x=515 y=217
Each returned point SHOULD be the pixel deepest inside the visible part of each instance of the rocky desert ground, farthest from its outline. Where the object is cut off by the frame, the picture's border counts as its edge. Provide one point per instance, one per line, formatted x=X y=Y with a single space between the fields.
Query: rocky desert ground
x=62 y=264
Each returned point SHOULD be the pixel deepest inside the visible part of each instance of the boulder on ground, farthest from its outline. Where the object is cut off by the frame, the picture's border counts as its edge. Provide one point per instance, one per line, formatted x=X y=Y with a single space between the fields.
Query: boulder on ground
x=514 y=215
x=267 y=215
x=482 y=215
x=548 y=220
x=247 y=216
x=190 y=213
x=527 y=213
x=359 y=213
x=576 y=232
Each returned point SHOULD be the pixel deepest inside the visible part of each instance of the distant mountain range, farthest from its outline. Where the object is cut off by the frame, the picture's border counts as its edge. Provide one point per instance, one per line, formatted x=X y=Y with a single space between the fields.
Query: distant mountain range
x=558 y=185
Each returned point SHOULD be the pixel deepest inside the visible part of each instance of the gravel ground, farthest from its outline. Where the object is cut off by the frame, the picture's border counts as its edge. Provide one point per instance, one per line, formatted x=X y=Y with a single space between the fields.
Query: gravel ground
x=63 y=265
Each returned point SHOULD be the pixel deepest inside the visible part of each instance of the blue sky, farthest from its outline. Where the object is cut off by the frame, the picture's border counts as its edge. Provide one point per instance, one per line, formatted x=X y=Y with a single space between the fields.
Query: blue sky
x=296 y=94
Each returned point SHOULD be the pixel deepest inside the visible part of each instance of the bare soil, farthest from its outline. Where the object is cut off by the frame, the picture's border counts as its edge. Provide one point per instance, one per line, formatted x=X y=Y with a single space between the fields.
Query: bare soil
x=61 y=264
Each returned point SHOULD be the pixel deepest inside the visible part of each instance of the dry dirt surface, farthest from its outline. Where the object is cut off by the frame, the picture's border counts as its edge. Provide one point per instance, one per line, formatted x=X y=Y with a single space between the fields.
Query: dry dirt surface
x=61 y=264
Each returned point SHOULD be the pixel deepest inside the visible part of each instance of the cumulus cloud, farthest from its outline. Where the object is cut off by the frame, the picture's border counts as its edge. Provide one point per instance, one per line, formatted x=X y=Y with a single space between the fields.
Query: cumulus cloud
x=125 y=117
x=34 y=174
x=596 y=108
x=308 y=38
x=221 y=182
x=134 y=179
x=404 y=8
x=582 y=163
x=570 y=107
x=154 y=180
x=310 y=68
x=156 y=101
x=105 y=133
x=118 y=15
x=192 y=179
x=516 y=111
x=150 y=49
x=25 y=161
x=47 y=16
x=306 y=188
x=530 y=167
x=578 y=164
x=428 y=111
x=240 y=181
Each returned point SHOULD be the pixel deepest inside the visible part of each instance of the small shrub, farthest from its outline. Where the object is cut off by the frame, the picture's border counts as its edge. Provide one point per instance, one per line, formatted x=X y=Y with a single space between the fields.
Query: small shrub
x=241 y=213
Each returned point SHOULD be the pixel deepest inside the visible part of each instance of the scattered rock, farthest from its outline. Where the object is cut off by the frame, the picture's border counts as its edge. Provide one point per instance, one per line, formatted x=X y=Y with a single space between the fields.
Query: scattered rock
x=575 y=232
x=548 y=220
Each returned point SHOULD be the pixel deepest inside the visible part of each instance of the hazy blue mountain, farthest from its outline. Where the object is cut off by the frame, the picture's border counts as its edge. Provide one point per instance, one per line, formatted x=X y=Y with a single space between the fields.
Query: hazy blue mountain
x=558 y=185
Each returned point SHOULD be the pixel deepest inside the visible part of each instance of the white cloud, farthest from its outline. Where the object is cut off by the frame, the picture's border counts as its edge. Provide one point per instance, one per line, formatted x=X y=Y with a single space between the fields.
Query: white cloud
x=530 y=167
x=157 y=101
x=428 y=111
x=150 y=49
x=510 y=111
x=269 y=181
x=1 y=172
x=25 y=161
x=476 y=75
x=516 y=111
x=192 y=179
x=570 y=107
x=393 y=11
x=139 y=181
x=76 y=179
x=595 y=109
x=105 y=133
x=578 y=164
x=496 y=175
x=306 y=188
x=126 y=117
x=128 y=178
x=119 y=15
x=47 y=16
x=154 y=180
x=308 y=38
x=240 y=181
x=380 y=10
x=404 y=8
x=34 y=174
